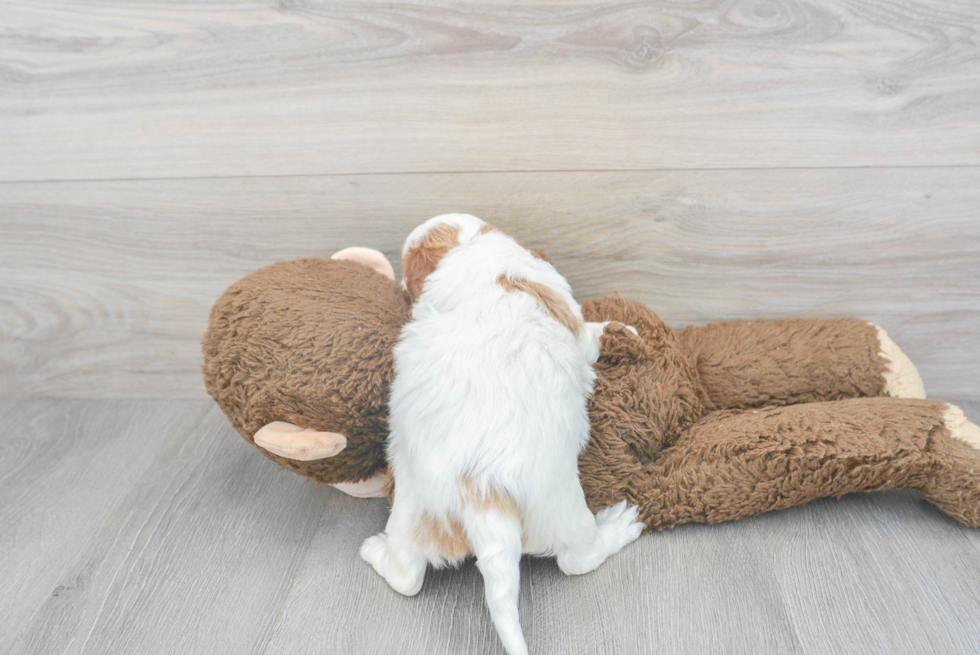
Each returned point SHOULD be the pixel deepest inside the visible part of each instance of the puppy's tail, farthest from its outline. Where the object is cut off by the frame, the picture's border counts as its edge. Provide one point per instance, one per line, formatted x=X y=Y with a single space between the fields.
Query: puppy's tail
x=495 y=536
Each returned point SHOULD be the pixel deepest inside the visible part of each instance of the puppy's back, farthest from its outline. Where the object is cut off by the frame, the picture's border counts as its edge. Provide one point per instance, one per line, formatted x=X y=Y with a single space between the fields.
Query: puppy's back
x=491 y=385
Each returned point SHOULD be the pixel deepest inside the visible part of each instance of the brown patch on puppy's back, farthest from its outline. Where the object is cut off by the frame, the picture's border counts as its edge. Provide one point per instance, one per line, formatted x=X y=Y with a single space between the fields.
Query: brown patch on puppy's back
x=546 y=297
x=420 y=260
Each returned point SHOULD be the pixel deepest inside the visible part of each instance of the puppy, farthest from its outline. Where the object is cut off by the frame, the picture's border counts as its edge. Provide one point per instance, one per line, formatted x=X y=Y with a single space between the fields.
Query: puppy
x=488 y=416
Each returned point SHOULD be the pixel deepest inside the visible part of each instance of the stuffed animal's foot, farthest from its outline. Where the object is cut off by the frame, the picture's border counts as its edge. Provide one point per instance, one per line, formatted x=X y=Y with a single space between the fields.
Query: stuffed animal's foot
x=961 y=428
x=954 y=485
x=902 y=379
x=402 y=571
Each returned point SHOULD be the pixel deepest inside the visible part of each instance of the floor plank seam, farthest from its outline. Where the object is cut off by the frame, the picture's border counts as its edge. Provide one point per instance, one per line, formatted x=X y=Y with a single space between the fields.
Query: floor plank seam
x=542 y=171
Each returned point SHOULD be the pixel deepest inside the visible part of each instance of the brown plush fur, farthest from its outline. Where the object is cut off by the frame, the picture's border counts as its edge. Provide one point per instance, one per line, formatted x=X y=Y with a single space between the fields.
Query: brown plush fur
x=784 y=362
x=709 y=424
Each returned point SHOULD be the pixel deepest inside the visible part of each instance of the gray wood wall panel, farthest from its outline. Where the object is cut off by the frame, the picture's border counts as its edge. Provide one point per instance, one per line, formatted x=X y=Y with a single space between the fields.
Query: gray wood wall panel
x=151 y=527
x=157 y=89
x=105 y=286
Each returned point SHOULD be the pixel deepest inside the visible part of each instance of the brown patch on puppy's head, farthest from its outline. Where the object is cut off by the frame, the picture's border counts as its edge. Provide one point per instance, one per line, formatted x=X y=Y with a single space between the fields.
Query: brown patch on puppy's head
x=546 y=297
x=537 y=254
x=542 y=255
x=421 y=259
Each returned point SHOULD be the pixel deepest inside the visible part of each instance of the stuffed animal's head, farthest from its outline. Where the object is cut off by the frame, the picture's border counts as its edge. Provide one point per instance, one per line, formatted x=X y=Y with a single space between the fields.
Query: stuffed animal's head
x=308 y=344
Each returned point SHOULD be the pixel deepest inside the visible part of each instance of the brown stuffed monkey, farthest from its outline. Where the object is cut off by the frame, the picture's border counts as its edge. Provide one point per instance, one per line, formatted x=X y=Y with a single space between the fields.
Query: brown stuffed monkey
x=706 y=424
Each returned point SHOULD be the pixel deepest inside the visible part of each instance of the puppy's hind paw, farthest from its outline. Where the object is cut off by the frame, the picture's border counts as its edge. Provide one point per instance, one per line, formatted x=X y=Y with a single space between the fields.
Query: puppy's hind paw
x=373 y=551
x=618 y=526
x=403 y=575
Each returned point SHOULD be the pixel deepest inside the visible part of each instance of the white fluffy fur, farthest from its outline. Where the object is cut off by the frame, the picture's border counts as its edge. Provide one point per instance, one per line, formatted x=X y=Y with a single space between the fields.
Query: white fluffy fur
x=490 y=389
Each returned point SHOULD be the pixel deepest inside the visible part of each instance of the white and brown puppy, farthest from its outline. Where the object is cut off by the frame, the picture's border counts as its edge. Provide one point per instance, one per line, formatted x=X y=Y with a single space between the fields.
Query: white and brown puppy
x=488 y=417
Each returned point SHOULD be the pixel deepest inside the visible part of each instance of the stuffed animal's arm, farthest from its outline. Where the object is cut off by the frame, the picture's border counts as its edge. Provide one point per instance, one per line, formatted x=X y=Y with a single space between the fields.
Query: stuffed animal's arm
x=734 y=464
x=745 y=364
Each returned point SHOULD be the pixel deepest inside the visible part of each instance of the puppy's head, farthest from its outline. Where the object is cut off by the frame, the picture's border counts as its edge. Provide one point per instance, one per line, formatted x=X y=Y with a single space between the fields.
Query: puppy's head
x=430 y=241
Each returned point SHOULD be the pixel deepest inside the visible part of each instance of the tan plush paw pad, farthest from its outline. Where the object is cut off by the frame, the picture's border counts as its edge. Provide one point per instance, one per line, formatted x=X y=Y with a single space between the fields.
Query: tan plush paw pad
x=960 y=427
x=902 y=379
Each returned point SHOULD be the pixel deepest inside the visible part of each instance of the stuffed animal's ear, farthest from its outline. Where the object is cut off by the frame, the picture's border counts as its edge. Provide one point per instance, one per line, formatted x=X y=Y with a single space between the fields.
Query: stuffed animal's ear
x=302 y=444
x=373 y=259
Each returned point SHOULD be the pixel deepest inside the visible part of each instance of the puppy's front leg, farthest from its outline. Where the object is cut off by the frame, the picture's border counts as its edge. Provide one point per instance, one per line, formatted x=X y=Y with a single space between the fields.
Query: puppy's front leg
x=589 y=335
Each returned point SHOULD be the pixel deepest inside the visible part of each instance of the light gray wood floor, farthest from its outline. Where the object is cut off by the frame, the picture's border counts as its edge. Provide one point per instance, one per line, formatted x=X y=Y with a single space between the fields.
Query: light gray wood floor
x=151 y=527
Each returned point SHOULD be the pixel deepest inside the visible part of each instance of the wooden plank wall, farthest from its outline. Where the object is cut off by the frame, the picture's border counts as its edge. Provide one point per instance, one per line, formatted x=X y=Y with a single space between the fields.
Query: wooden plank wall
x=714 y=158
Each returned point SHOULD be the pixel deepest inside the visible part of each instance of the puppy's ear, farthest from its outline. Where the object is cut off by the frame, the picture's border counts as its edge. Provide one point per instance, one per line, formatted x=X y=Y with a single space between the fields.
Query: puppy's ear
x=540 y=254
x=422 y=258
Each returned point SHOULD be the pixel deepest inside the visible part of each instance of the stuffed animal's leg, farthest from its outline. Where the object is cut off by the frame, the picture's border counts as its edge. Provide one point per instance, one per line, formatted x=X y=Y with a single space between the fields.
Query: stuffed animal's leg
x=730 y=465
x=745 y=364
